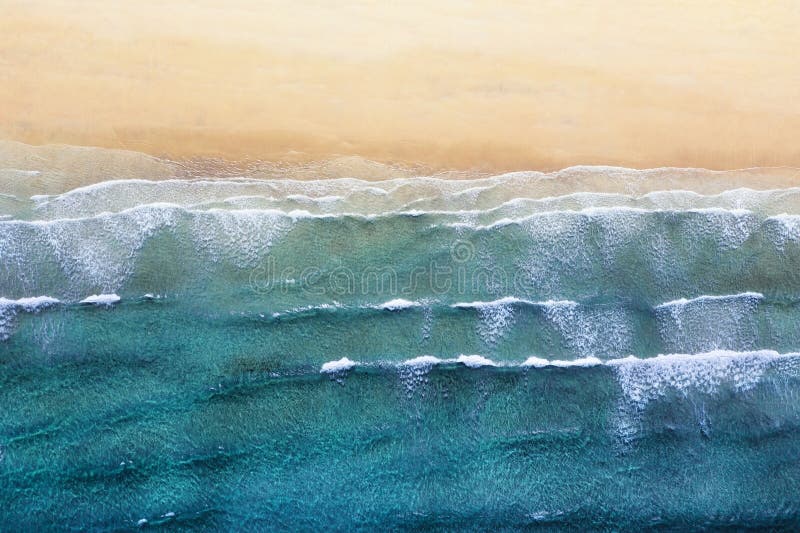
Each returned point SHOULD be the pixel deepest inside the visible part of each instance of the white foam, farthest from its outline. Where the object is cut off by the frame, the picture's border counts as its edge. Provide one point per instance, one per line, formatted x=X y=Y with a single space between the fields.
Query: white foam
x=665 y=362
x=508 y=221
x=241 y=237
x=711 y=298
x=30 y=303
x=785 y=218
x=475 y=361
x=588 y=330
x=582 y=362
x=644 y=380
x=341 y=365
x=641 y=379
x=306 y=308
x=508 y=300
x=9 y=309
x=559 y=303
x=91 y=252
x=397 y=304
x=497 y=317
x=185 y=193
x=422 y=361
x=738 y=232
x=101 y=299
x=710 y=322
x=537 y=362
x=783 y=228
x=310 y=199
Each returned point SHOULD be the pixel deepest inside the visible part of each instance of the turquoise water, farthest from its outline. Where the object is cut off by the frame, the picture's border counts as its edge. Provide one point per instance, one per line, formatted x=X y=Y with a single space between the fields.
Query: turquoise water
x=590 y=350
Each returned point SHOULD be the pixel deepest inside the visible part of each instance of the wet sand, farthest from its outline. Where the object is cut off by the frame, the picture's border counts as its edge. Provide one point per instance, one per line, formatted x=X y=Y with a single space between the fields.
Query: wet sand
x=27 y=170
x=478 y=86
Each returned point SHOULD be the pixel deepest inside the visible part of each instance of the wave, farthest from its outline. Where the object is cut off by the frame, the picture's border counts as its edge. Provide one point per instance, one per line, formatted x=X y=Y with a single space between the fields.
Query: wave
x=33 y=303
x=645 y=380
x=534 y=362
x=475 y=361
x=641 y=380
x=511 y=300
x=703 y=322
x=9 y=309
x=307 y=309
x=103 y=247
x=497 y=209
x=721 y=217
x=783 y=229
x=341 y=365
x=368 y=188
x=597 y=212
x=678 y=370
x=498 y=316
x=538 y=362
x=398 y=304
x=740 y=201
x=614 y=254
x=682 y=302
x=605 y=328
x=421 y=362
x=101 y=299
x=395 y=305
x=724 y=321
x=101 y=252
x=507 y=300
x=70 y=161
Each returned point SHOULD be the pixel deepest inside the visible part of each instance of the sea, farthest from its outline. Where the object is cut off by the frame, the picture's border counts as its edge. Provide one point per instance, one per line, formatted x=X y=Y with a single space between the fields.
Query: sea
x=591 y=349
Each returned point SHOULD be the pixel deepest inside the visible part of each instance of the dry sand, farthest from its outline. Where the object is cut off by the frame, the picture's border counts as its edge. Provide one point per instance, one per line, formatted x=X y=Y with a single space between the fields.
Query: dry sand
x=486 y=85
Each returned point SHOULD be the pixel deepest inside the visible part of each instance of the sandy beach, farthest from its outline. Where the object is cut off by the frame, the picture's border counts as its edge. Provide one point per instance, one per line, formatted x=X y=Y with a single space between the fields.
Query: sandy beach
x=468 y=86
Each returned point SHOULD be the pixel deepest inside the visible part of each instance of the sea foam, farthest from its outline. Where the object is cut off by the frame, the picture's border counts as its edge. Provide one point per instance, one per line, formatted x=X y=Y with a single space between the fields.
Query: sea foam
x=331 y=367
x=101 y=299
x=30 y=303
x=398 y=304
x=538 y=362
x=9 y=309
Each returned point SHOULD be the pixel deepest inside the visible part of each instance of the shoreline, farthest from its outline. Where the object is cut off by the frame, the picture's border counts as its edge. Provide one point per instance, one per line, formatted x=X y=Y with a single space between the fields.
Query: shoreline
x=57 y=168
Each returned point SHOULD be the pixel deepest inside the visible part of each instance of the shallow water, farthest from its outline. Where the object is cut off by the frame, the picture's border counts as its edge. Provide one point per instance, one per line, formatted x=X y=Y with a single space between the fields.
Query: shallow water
x=413 y=353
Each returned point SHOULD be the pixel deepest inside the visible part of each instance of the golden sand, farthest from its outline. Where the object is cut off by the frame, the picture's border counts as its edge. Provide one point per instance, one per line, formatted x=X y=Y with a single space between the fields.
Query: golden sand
x=450 y=84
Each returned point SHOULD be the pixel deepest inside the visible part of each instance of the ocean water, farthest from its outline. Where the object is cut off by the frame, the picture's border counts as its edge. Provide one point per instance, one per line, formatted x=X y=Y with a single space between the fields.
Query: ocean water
x=593 y=349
